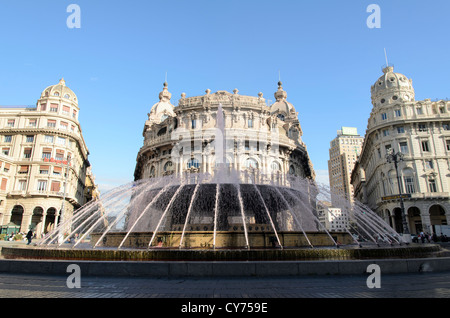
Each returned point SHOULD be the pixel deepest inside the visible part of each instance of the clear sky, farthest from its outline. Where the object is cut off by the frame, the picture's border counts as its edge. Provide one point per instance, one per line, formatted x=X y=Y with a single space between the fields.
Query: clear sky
x=116 y=62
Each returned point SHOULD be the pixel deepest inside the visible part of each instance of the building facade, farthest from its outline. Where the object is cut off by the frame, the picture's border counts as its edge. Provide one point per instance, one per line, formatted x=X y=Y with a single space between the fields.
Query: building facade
x=44 y=163
x=420 y=130
x=260 y=138
x=344 y=151
x=333 y=219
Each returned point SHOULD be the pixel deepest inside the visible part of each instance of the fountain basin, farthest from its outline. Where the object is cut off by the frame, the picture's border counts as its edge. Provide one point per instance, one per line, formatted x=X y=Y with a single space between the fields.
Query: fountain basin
x=233 y=255
x=223 y=239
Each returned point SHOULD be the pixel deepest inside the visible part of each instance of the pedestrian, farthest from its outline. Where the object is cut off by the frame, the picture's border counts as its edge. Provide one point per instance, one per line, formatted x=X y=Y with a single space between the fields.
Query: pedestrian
x=29 y=236
x=422 y=237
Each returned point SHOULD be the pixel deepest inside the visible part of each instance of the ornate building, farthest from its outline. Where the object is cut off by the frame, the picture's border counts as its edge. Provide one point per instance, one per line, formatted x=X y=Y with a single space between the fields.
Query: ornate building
x=44 y=163
x=263 y=139
x=420 y=130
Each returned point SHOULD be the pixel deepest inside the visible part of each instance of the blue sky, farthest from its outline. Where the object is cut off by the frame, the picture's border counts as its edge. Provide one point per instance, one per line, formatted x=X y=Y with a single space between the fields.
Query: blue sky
x=116 y=62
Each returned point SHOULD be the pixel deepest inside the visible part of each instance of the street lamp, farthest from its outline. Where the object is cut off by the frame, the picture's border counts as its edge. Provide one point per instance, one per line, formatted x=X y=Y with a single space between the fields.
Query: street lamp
x=61 y=236
x=394 y=157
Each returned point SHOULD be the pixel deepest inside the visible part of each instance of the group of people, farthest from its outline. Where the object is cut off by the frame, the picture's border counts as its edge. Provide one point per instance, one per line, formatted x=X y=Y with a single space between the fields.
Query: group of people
x=426 y=237
x=29 y=236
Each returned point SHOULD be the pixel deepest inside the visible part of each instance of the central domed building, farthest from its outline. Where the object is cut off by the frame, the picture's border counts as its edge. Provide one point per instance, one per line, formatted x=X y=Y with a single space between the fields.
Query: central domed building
x=260 y=138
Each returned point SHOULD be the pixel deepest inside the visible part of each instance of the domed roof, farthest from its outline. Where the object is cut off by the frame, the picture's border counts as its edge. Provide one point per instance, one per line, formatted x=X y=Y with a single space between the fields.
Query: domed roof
x=163 y=108
x=391 y=82
x=60 y=90
x=281 y=104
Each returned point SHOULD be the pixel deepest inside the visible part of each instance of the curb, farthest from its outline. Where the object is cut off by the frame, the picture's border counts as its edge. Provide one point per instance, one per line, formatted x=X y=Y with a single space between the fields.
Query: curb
x=225 y=268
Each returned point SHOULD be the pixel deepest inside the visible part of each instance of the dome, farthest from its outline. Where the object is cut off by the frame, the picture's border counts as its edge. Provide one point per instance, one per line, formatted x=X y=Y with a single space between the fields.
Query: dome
x=391 y=86
x=161 y=110
x=60 y=90
x=281 y=105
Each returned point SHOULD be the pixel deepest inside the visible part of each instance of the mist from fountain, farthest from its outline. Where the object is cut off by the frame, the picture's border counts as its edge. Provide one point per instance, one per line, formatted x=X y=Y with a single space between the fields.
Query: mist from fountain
x=185 y=203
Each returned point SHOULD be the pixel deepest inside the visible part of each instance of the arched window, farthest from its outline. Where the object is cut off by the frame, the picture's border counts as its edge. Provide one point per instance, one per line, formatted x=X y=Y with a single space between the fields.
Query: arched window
x=281 y=117
x=162 y=131
x=291 y=169
x=152 y=172
x=17 y=214
x=251 y=163
x=168 y=166
x=193 y=163
x=275 y=166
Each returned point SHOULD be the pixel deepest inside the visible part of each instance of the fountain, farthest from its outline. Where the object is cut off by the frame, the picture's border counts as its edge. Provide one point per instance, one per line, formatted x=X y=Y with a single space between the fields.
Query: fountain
x=230 y=215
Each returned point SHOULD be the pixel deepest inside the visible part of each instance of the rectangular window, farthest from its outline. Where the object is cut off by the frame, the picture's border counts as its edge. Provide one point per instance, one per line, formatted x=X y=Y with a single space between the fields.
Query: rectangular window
x=447 y=144
x=48 y=139
x=29 y=139
x=66 y=110
x=446 y=126
x=54 y=108
x=404 y=147
x=46 y=153
x=400 y=130
x=10 y=123
x=423 y=127
x=22 y=185
x=32 y=122
x=57 y=171
x=5 y=151
x=27 y=153
x=63 y=125
x=42 y=185
x=409 y=185
x=51 y=123
x=398 y=113
x=432 y=184
x=419 y=110
x=74 y=114
x=383 y=116
x=193 y=123
x=425 y=146
x=387 y=148
x=3 y=185
x=247 y=145
x=44 y=169
x=23 y=170
x=55 y=186
x=386 y=132
x=59 y=154
x=8 y=138
x=43 y=107
x=250 y=123
x=61 y=141
x=429 y=164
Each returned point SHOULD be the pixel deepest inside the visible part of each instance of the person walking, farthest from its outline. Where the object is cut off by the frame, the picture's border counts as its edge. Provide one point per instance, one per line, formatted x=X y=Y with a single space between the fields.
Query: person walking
x=29 y=236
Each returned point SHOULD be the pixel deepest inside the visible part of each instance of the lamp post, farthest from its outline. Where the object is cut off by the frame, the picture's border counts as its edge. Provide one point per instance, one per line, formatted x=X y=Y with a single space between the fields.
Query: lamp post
x=61 y=236
x=393 y=157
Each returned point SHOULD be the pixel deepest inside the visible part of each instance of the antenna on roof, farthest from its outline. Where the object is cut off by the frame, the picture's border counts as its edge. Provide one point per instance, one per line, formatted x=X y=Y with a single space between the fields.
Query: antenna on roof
x=279 y=76
x=385 y=56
